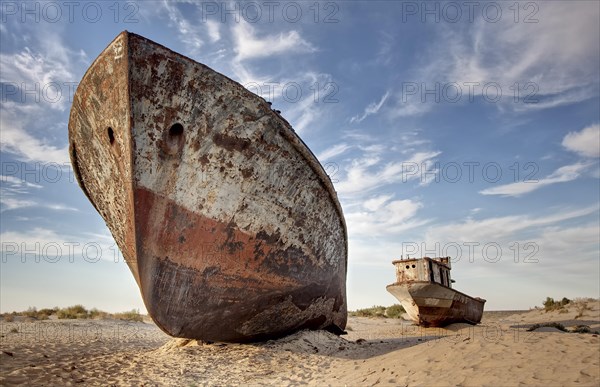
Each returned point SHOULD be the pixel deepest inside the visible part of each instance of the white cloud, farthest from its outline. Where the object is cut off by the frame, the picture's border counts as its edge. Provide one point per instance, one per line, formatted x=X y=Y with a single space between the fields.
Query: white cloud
x=500 y=229
x=42 y=64
x=561 y=175
x=15 y=182
x=372 y=108
x=375 y=203
x=214 y=32
x=46 y=69
x=409 y=105
x=17 y=140
x=189 y=33
x=248 y=46
x=380 y=216
x=335 y=150
x=586 y=142
x=361 y=177
x=303 y=114
x=8 y=202
x=559 y=55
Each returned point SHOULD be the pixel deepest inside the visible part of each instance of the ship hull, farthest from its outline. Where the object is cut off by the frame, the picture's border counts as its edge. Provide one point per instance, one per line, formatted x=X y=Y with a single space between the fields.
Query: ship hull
x=229 y=224
x=434 y=305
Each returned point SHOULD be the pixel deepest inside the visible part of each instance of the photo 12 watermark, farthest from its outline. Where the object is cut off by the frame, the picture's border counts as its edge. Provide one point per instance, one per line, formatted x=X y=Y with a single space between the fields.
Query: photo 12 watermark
x=469 y=11
x=270 y=11
x=293 y=92
x=469 y=172
x=69 y=11
x=36 y=172
x=36 y=92
x=471 y=251
x=457 y=92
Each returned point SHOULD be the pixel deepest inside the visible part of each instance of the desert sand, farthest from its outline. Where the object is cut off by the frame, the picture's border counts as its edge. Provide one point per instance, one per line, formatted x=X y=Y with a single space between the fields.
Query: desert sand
x=376 y=351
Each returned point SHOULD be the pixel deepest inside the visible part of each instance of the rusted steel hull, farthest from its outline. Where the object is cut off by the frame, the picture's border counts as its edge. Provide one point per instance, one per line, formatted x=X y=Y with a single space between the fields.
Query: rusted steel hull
x=228 y=222
x=433 y=305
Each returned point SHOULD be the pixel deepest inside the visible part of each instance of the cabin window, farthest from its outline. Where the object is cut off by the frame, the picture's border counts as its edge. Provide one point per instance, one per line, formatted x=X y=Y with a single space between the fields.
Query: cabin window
x=408 y=267
x=442 y=279
x=111 y=135
x=413 y=266
x=431 y=277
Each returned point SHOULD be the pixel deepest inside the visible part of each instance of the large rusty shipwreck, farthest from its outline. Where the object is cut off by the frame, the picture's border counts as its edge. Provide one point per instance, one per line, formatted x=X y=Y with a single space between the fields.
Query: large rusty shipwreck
x=424 y=288
x=228 y=222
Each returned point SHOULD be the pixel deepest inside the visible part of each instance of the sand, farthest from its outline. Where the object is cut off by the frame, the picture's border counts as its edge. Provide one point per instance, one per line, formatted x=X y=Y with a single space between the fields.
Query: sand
x=499 y=351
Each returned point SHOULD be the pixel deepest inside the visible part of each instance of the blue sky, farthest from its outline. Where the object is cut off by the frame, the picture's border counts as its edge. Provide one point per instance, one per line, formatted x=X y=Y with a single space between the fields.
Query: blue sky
x=447 y=130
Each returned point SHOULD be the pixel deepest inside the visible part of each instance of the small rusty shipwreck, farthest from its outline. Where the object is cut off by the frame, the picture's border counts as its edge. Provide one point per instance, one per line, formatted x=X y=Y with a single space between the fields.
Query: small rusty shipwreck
x=424 y=288
x=229 y=224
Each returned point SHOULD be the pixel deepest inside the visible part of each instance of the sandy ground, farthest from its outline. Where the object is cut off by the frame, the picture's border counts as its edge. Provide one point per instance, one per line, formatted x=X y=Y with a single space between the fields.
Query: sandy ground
x=375 y=352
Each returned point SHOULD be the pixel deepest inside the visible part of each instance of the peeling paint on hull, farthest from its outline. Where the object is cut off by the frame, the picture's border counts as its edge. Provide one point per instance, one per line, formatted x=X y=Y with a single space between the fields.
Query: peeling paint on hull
x=228 y=222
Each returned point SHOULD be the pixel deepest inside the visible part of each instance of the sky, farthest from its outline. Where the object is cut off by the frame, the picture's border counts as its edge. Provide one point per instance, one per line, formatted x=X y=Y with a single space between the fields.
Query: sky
x=462 y=129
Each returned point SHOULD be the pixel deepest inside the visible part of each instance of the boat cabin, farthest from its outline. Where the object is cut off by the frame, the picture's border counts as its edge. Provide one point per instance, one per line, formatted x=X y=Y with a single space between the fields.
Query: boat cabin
x=433 y=270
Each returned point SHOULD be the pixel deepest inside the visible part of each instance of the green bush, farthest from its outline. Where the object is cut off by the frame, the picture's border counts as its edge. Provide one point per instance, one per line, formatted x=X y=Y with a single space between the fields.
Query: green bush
x=394 y=311
x=41 y=314
x=374 y=311
x=550 y=304
x=73 y=312
x=48 y=311
x=98 y=314
x=133 y=315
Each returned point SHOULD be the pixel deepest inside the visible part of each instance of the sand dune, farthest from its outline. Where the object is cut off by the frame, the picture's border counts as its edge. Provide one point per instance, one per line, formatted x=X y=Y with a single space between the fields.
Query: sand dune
x=500 y=351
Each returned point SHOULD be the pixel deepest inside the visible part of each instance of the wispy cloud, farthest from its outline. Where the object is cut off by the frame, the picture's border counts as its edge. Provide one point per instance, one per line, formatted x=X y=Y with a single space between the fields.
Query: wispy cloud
x=43 y=76
x=363 y=175
x=214 y=32
x=498 y=247
x=189 y=33
x=333 y=151
x=15 y=182
x=561 y=175
x=558 y=56
x=46 y=69
x=372 y=108
x=27 y=147
x=380 y=216
x=585 y=142
x=503 y=228
x=8 y=203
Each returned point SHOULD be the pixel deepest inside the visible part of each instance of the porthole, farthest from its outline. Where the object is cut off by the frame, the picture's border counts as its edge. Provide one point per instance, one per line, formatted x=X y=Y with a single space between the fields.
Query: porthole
x=173 y=139
x=111 y=135
x=176 y=130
